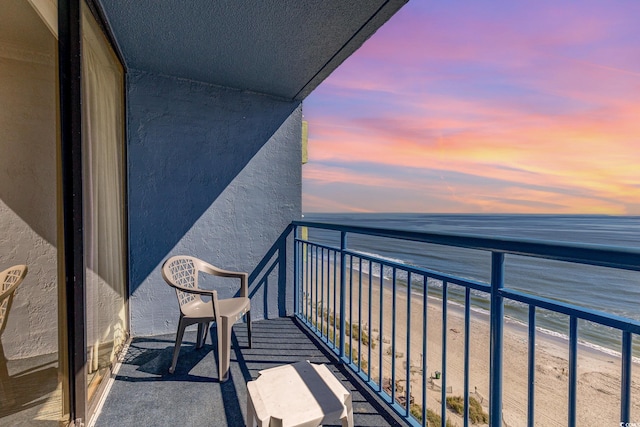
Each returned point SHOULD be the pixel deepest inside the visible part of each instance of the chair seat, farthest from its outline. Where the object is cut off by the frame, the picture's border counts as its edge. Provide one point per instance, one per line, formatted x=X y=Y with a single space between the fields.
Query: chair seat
x=231 y=308
x=198 y=309
x=234 y=308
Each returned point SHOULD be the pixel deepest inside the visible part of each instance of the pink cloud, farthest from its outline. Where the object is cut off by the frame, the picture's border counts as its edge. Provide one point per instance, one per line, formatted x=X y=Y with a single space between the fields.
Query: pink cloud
x=559 y=104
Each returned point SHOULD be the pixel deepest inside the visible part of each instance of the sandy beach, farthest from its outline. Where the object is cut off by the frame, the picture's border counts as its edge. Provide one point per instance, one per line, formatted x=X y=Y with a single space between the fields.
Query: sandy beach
x=598 y=401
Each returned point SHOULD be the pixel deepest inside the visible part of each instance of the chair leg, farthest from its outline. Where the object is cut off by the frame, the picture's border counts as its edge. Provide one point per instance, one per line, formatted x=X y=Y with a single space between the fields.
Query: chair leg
x=6 y=387
x=252 y=418
x=203 y=328
x=176 y=350
x=224 y=348
x=347 y=421
x=248 y=319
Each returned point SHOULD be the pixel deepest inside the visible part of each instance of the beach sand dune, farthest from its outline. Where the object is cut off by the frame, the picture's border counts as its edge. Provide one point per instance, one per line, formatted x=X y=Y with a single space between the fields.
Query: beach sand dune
x=598 y=385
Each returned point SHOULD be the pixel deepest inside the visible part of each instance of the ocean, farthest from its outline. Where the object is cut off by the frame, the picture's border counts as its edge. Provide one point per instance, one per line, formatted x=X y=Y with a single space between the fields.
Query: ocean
x=599 y=288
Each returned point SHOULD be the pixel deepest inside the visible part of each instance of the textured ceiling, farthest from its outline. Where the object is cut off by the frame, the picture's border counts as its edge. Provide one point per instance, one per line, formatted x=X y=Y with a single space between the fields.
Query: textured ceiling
x=283 y=48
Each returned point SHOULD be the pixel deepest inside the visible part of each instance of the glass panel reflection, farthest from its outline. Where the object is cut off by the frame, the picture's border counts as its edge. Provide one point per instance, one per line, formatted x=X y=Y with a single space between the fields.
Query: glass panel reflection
x=30 y=380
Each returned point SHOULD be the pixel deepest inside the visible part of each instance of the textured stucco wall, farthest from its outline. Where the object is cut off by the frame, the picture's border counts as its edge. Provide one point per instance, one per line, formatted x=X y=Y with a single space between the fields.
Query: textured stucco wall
x=215 y=173
x=28 y=196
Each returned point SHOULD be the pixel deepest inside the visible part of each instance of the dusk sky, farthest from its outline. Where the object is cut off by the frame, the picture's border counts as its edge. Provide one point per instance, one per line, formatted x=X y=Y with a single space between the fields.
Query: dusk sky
x=483 y=107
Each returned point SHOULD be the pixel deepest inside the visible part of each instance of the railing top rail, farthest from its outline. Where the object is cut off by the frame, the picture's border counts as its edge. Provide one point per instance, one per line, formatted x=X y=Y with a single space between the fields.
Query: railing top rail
x=601 y=255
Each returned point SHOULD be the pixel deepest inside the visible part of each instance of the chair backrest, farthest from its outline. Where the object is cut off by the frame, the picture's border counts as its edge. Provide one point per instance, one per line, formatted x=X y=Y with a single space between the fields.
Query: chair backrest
x=9 y=281
x=182 y=271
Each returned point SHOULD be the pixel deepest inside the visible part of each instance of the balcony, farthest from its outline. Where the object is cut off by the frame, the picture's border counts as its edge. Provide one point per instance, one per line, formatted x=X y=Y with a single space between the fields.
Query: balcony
x=450 y=354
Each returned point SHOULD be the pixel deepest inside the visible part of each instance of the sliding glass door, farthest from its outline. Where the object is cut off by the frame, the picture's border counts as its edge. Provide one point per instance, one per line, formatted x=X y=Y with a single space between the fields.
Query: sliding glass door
x=33 y=368
x=42 y=327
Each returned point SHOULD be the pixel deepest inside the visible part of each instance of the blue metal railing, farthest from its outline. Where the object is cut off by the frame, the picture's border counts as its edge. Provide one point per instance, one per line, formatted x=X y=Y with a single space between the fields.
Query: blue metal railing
x=324 y=301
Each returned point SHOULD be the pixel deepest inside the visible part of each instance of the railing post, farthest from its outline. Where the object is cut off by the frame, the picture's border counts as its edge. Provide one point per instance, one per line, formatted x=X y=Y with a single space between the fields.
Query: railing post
x=497 y=317
x=296 y=271
x=443 y=378
x=531 y=407
x=343 y=292
x=573 y=370
x=467 y=331
x=625 y=404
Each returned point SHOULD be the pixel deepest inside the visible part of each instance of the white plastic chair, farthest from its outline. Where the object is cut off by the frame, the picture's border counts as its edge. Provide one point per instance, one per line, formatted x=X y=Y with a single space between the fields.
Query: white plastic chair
x=181 y=272
x=9 y=281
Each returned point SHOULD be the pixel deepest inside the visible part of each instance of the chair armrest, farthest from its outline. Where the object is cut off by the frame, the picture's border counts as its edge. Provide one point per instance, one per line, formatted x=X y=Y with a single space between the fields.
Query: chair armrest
x=244 y=277
x=22 y=270
x=196 y=291
x=7 y=292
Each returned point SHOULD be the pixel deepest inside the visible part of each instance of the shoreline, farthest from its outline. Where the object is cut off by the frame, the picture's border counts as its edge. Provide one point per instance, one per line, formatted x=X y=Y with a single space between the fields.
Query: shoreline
x=520 y=327
x=583 y=345
x=598 y=372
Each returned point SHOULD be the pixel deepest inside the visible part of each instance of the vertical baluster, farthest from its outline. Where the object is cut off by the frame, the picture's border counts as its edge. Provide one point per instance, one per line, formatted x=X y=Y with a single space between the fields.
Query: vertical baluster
x=532 y=366
x=425 y=291
x=380 y=378
x=305 y=269
x=310 y=290
x=350 y=309
x=335 y=282
x=296 y=270
x=443 y=378
x=321 y=299
x=497 y=317
x=625 y=394
x=573 y=368
x=315 y=304
x=301 y=273
x=309 y=283
x=359 y=314
x=408 y=354
x=325 y=290
x=369 y=314
x=325 y=287
x=328 y=296
x=325 y=297
x=343 y=290
x=467 y=321
x=393 y=336
x=310 y=293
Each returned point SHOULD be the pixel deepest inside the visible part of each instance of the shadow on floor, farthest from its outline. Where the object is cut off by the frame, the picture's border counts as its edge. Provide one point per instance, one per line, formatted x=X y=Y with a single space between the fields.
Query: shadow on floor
x=29 y=392
x=144 y=393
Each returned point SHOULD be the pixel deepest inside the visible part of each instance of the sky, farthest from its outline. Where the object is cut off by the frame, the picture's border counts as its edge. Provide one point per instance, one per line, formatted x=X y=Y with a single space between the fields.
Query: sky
x=494 y=106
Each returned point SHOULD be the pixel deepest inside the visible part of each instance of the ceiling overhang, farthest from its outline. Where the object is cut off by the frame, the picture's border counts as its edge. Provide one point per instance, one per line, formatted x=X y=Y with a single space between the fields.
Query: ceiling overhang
x=283 y=48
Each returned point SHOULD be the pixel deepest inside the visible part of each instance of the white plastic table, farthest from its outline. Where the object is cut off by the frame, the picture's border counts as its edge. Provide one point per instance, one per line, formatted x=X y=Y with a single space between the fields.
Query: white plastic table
x=301 y=394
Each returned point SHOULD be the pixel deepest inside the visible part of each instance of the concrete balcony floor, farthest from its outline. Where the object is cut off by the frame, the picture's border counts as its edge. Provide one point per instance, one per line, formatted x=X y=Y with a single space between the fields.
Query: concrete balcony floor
x=144 y=393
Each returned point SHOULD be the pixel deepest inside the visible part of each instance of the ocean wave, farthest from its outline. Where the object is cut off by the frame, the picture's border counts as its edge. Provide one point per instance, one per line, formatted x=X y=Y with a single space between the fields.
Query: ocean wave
x=382 y=257
x=588 y=344
x=375 y=266
x=460 y=305
x=548 y=332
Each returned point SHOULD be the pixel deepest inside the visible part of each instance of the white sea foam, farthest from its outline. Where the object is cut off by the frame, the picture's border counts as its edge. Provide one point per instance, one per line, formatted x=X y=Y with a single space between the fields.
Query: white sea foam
x=584 y=343
x=545 y=331
x=387 y=271
x=382 y=257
